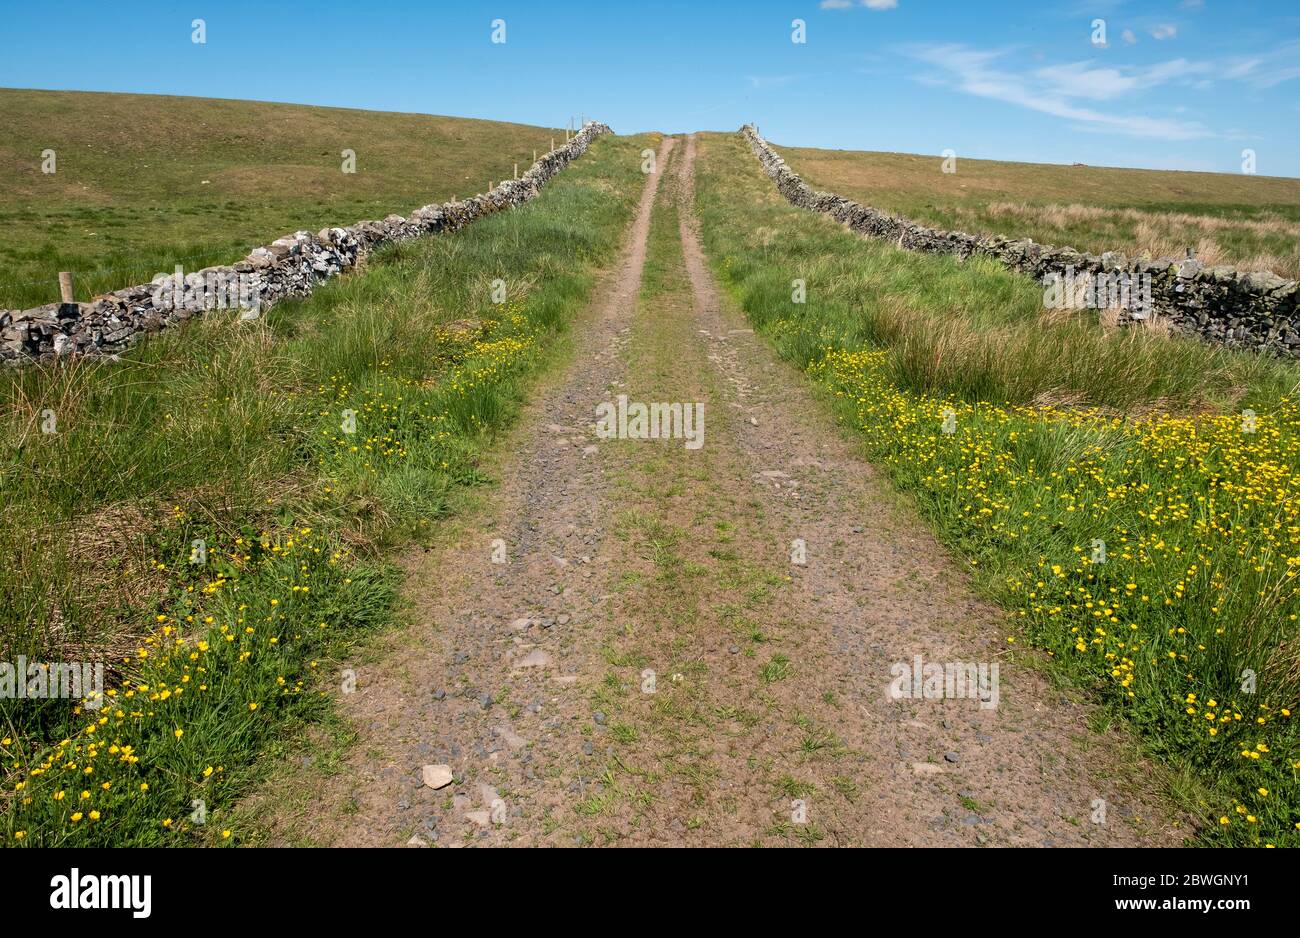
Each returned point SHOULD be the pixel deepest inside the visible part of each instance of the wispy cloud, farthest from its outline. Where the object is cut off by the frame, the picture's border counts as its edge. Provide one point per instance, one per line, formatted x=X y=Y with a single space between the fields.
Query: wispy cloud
x=1164 y=31
x=877 y=5
x=1068 y=91
x=1268 y=69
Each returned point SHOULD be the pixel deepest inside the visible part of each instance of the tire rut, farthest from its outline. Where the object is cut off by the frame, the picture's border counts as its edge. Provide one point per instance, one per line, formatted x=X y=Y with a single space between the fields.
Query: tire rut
x=650 y=667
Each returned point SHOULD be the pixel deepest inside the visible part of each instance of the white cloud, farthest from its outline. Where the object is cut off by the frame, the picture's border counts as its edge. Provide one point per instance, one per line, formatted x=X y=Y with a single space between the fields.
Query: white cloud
x=1080 y=80
x=1099 y=98
x=1164 y=31
x=1058 y=90
x=1128 y=36
x=877 y=5
x=1266 y=70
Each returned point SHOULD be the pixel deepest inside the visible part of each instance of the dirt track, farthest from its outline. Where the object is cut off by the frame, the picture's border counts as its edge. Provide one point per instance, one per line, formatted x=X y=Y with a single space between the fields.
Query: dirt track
x=650 y=666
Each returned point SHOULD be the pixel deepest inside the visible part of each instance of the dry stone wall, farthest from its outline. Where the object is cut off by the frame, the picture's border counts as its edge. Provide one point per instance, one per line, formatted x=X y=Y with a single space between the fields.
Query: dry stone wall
x=289 y=266
x=1222 y=305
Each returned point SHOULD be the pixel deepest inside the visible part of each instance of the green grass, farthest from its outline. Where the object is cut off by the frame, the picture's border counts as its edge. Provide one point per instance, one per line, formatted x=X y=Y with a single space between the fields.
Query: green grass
x=233 y=433
x=1197 y=506
x=1247 y=221
x=776 y=669
x=144 y=182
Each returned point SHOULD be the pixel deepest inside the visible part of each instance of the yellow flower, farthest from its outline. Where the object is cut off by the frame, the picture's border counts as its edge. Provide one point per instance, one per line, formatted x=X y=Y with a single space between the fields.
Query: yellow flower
x=178 y=733
x=225 y=835
x=252 y=706
x=94 y=815
x=76 y=817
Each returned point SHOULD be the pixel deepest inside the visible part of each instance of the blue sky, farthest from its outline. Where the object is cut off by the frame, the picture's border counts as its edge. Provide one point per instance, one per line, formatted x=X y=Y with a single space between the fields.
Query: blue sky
x=1179 y=84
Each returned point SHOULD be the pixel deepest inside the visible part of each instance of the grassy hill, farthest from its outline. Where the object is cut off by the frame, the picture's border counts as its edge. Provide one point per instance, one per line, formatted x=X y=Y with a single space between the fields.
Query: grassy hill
x=1251 y=222
x=145 y=181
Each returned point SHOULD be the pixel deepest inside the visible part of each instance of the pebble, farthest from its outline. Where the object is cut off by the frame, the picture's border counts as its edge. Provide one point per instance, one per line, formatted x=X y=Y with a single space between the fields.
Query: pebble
x=535 y=659
x=951 y=757
x=436 y=776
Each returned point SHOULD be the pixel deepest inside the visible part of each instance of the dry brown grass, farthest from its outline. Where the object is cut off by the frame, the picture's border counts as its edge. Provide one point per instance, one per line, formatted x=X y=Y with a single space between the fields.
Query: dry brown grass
x=1249 y=222
x=1059 y=215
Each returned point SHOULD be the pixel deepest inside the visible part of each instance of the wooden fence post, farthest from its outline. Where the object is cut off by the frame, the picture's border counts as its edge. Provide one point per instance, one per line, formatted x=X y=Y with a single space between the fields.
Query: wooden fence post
x=65 y=286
